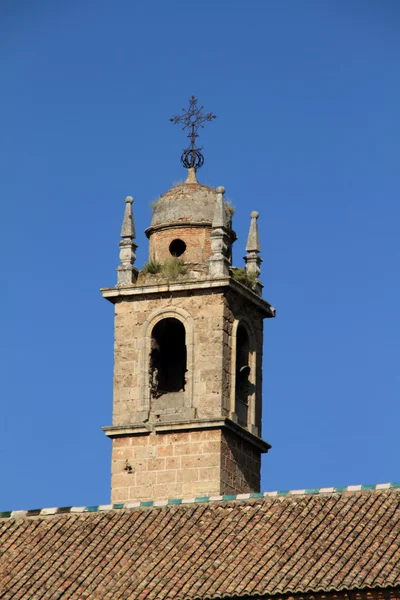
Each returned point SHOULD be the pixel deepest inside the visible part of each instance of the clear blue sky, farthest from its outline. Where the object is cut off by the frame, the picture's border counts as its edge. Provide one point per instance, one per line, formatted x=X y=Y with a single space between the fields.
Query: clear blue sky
x=307 y=96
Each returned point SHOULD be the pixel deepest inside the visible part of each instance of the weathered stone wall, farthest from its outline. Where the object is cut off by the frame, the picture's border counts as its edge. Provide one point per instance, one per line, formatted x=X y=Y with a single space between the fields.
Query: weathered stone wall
x=238 y=311
x=207 y=389
x=240 y=465
x=172 y=465
x=196 y=461
x=158 y=466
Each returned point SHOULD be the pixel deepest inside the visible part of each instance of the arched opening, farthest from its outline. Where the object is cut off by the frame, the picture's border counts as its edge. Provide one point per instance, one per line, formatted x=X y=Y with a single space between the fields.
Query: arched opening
x=168 y=357
x=243 y=385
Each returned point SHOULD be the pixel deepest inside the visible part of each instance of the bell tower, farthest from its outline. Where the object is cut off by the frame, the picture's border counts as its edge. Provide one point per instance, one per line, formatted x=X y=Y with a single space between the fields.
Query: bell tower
x=188 y=348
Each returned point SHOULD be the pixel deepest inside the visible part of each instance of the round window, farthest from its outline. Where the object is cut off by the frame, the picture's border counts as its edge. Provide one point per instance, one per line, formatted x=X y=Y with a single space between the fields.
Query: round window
x=177 y=247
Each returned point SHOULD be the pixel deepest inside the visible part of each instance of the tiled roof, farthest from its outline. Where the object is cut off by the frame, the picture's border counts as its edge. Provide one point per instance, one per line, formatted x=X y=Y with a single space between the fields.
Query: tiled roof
x=278 y=544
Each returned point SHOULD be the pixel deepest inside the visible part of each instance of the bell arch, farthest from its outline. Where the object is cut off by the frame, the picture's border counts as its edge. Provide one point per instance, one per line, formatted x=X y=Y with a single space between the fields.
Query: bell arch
x=167 y=367
x=156 y=333
x=243 y=373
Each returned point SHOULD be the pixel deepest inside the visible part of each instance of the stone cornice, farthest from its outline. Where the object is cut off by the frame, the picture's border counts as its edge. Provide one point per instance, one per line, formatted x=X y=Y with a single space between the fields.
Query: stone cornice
x=115 y=294
x=177 y=225
x=115 y=431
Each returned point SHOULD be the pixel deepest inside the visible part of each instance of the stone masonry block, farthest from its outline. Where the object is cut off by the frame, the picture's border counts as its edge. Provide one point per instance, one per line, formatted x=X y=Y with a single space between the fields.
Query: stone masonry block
x=208 y=434
x=123 y=453
x=163 y=451
x=201 y=461
x=211 y=447
x=172 y=463
x=188 y=449
x=166 y=476
x=188 y=475
x=209 y=474
x=120 y=495
x=146 y=478
x=123 y=480
x=122 y=442
x=140 y=492
x=145 y=452
x=156 y=464
x=141 y=440
x=117 y=466
x=141 y=465
x=200 y=488
x=178 y=438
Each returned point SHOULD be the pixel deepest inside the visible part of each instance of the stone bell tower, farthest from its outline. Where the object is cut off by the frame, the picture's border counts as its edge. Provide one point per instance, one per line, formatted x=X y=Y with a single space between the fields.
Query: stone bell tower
x=188 y=350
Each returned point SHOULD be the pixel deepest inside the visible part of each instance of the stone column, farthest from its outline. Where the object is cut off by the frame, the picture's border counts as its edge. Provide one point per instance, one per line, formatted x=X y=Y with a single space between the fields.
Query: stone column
x=220 y=239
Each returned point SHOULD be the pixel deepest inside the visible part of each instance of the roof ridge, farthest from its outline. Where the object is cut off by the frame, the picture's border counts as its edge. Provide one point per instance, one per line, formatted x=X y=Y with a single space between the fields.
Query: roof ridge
x=42 y=512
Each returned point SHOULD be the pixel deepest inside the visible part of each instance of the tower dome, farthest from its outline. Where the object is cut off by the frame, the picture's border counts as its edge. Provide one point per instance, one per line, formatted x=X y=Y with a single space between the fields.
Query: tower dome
x=189 y=202
x=182 y=221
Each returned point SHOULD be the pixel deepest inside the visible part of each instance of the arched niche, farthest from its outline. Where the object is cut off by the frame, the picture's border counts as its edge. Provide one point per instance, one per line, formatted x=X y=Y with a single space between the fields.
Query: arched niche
x=167 y=354
x=168 y=360
x=243 y=373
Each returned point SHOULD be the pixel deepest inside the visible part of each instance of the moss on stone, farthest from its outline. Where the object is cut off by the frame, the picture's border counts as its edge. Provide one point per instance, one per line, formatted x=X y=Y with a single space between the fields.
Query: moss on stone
x=247 y=279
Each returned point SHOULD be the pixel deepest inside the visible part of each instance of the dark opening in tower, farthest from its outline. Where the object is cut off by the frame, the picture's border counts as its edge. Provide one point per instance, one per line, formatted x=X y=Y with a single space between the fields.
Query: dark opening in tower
x=242 y=375
x=168 y=357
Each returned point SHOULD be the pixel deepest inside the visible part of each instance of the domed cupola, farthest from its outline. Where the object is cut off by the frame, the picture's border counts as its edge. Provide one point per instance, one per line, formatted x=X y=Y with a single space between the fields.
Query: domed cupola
x=182 y=223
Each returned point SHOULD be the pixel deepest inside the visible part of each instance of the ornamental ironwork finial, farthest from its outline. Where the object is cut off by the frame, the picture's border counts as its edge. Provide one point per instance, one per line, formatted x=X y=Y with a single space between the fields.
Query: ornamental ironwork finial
x=192 y=119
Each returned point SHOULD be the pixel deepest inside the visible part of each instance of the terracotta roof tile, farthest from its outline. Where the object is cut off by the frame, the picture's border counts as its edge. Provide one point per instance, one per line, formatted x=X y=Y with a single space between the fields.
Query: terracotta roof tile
x=276 y=545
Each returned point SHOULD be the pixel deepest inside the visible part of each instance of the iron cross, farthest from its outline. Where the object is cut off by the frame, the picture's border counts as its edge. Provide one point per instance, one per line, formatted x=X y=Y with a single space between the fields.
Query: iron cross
x=192 y=119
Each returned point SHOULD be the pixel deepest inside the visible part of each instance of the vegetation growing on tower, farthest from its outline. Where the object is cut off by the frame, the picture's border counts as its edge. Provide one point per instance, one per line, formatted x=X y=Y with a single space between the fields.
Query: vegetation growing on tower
x=247 y=279
x=171 y=269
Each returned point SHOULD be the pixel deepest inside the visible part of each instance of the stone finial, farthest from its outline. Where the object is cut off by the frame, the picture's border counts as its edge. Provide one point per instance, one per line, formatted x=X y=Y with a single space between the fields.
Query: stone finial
x=220 y=239
x=253 y=241
x=191 y=176
x=253 y=248
x=127 y=273
x=128 y=226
